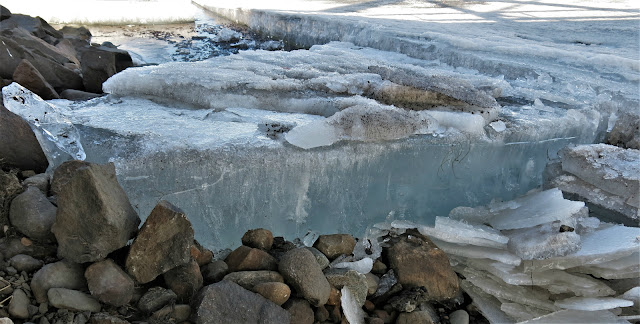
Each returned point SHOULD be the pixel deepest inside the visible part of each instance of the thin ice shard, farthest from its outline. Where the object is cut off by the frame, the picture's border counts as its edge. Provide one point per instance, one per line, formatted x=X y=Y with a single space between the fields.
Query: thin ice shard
x=592 y=303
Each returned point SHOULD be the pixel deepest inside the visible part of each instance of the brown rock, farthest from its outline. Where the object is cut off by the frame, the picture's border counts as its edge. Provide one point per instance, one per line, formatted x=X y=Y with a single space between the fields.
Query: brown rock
x=63 y=174
x=258 y=238
x=334 y=297
x=200 y=254
x=418 y=262
x=19 y=147
x=9 y=185
x=249 y=279
x=164 y=242
x=335 y=245
x=302 y=272
x=101 y=62
x=173 y=313
x=321 y=314
x=184 y=280
x=78 y=95
x=109 y=283
x=29 y=77
x=94 y=215
x=423 y=317
x=156 y=298
x=300 y=310
x=245 y=258
x=214 y=271
x=379 y=267
x=277 y=292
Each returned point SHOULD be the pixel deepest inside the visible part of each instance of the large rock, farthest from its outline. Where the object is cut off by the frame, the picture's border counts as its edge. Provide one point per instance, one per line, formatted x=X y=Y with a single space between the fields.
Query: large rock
x=164 y=242
x=300 y=310
x=245 y=258
x=418 y=262
x=73 y=300
x=302 y=272
x=33 y=215
x=109 y=283
x=276 y=292
x=23 y=262
x=29 y=77
x=184 y=280
x=63 y=174
x=4 y=13
x=94 y=215
x=155 y=298
x=40 y=181
x=249 y=279
x=356 y=282
x=99 y=63
x=214 y=271
x=19 y=147
x=36 y=26
x=61 y=274
x=259 y=238
x=227 y=302
x=626 y=131
x=335 y=245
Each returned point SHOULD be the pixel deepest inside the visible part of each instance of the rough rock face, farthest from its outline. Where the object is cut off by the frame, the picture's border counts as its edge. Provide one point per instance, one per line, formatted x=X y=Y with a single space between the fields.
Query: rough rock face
x=164 y=242
x=302 y=272
x=418 y=262
x=19 y=147
x=626 y=132
x=227 y=302
x=36 y=26
x=184 y=280
x=4 y=13
x=33 y=215
x=101 y=62
x=94 y=215
x=335 y=245
x=110 y=284
x=63 y=174
x=29 y=77
x=62 y=274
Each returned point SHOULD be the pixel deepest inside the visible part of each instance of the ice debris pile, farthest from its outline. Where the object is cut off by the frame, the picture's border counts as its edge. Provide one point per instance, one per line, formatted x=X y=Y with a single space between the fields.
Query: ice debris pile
x=606 y=177
x=540 y=259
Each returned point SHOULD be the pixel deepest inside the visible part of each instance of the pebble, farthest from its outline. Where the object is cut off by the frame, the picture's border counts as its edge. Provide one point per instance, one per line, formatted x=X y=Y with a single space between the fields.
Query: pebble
x=276 y=292
x=258 y=238
x=72 y=300
x=22 y=262
x=214 y=271
x=155 y=298
x=459 y=317
x=335 y=245
x=19 y=306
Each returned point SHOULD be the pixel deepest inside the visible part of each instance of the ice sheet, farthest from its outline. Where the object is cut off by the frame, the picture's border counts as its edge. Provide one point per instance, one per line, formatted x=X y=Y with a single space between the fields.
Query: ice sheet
x=577 y=316
x=478 y=252
x=593 y=304
x=488 y=305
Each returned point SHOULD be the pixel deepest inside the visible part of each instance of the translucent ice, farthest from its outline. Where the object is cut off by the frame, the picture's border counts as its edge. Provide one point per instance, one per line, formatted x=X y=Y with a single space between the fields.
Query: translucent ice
x=632 y=294
x=363 y=266
x=478 y=252
x=522 y=312
x=592 y=303
x=577 y=316
x=488 y=305
x=352 y=310
x=542 y=242
x=460 y=232
x=57 y=136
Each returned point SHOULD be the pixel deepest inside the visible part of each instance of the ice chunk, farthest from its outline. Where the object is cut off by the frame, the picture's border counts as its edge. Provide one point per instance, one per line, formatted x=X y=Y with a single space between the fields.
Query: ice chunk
x=498 y=126
x=577 y=316
x=604 y=245
x=363 y=266
x=459 y=232
x=352 y=310
x=535 y=209
x=592 y=303
x=478 y=252
x=542 y=242
x=488 y=305
x=607 y=167
x=57 y=136
x=522 y=312
x=369 y=244
x=477 y=215
x=632 y=294
x=310 y=238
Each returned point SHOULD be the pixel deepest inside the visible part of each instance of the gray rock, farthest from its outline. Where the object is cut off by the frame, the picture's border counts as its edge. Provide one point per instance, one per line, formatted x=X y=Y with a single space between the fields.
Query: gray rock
x=155 y=298
x=335 y=245
x=19 y=306
x=104 y=318
x=300 y=310
x=323 y=262
x=11 y=246
x=36 y=26
x=22 y=262
x=184 y=280
x=351 y=279
x=109 y=283
x=164 y=242
x=228 y=302
x=32 y=214
x=101 y=62
x=423 y=317
x=40 y=181
x=372 y=283
x=63 y=174
x=626 y=131
x=94 y=215
x=62 y=274
x=9 y=185
x=77 y=95
x=214 y=271
x=245 y=258
x=258 y=238
x=19 y=147
x=5 y=320
x=4 y=13
x=172 y=313
x=29 y=77
x=459 y=317
x=302 y=272
x=72 y=300
x=249 y=279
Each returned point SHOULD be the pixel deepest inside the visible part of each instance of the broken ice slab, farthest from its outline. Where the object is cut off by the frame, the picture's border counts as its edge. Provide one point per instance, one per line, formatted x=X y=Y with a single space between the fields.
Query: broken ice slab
x=460 y=232
x=521 y=312
x=535 y=209
x=488 y=305
x=578 y=316
x=593 y=303
x=543 y=241
x=603 y=245
x=610 y=168
x=478 y=252
x=626 y=267
x=59 y=139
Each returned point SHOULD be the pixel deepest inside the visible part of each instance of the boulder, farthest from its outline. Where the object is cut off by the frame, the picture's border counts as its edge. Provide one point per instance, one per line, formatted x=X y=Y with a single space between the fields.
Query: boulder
x=418 y=262
x=259 y=238
x=184 y=280
x=277 y=292
x=36 y=26
x=101 y=62
x=214 y=271
x=227 y=302
x=33 y=215
x=164 y=242
x=245 y=258
x=29 y=77
x=249 y=279
x=155 y=298
x=109 y=283
x=4 y=13
x=302 y=272
x=72 y=300
x=61 y=274
x=200 y=254
x=19 y=147
x=26 y=263
x=94 y=215
x=63 y=174
x=335 y=245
